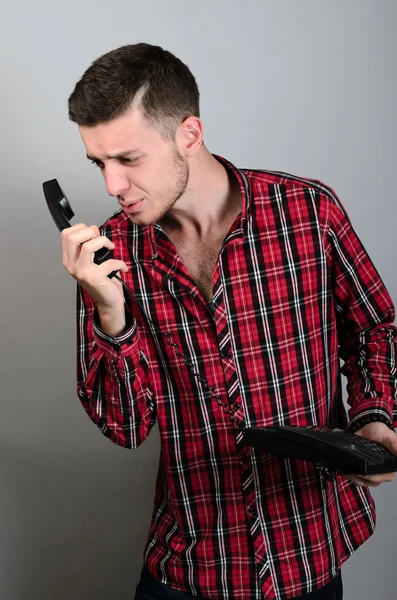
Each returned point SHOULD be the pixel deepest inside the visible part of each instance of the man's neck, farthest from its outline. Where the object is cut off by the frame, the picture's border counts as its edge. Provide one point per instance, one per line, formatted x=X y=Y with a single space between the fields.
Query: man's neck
x=212 y=199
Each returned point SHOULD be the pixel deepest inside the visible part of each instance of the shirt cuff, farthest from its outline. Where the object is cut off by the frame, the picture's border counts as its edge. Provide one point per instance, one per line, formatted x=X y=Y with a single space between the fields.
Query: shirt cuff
x=366 y=417
x=116 y=346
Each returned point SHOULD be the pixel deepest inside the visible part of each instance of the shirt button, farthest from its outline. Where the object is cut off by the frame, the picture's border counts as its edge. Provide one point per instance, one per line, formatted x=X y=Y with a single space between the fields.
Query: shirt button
x=252 y=511
x=236 y=406
x=225 y=354
x=246 y=460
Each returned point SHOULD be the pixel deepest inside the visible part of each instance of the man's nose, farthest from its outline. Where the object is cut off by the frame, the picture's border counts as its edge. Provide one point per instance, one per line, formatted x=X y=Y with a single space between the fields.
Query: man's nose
x=116 y=182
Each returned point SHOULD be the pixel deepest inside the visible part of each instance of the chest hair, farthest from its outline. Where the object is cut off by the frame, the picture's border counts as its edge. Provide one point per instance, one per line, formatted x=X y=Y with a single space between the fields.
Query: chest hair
x=200 y=260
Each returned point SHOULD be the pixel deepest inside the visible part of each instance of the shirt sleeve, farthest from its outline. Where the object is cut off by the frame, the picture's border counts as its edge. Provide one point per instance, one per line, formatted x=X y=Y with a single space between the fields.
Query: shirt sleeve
x=365 y=313
x=112 y=377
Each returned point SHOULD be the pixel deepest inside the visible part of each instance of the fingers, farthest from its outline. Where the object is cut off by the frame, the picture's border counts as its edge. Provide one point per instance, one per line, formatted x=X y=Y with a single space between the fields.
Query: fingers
x=84 y=270
x=361 y=481
x=371 y=480
x=79 y=243
x=73 y=241
x=86 y=258
x=102 y=271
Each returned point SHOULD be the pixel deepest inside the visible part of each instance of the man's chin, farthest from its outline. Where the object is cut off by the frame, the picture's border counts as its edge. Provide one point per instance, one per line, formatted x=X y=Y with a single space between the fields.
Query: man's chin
x=144 y=218
x=141 y=221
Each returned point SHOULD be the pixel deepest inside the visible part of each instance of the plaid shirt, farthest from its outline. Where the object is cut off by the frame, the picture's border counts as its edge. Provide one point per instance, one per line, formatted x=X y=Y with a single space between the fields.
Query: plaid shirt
x=293 y=290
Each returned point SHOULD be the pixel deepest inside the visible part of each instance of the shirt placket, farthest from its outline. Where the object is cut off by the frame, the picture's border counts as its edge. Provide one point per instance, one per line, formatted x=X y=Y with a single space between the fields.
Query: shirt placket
x=235 y=407
x=232 y=404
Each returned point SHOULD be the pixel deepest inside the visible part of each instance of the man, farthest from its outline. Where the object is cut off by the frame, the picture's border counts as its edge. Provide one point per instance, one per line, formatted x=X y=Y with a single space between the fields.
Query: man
x=246 y=288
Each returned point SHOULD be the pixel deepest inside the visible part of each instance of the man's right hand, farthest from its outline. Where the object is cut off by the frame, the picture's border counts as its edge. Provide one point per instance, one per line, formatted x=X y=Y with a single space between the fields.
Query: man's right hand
x=79 y=243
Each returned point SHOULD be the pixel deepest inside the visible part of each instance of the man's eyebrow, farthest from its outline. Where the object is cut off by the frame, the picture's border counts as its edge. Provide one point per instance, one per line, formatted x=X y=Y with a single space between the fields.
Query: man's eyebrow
x=110 y=156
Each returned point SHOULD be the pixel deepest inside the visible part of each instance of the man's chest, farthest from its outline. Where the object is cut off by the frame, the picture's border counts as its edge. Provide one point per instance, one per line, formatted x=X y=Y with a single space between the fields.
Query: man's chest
x=200 y=260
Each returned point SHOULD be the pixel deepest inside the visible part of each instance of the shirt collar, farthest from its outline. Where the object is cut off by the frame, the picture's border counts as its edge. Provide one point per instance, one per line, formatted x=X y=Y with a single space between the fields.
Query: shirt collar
x=244 y=187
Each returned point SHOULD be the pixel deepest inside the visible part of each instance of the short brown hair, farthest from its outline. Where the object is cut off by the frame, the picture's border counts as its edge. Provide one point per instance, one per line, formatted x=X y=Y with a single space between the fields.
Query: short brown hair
x=108 y=87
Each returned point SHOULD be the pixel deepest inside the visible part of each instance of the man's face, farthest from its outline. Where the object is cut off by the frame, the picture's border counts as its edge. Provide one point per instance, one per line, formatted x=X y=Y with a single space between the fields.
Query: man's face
x=146 y=173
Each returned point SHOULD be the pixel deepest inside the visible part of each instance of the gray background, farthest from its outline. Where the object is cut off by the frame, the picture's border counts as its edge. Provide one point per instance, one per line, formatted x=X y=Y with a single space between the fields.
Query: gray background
x=307 y=87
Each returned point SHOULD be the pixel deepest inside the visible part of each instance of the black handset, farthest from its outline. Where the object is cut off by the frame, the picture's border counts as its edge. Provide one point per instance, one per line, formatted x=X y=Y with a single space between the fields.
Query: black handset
x=62 y=212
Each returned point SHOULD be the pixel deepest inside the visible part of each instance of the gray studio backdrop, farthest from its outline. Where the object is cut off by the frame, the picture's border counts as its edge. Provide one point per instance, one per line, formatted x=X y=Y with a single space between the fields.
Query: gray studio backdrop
x=307 y=87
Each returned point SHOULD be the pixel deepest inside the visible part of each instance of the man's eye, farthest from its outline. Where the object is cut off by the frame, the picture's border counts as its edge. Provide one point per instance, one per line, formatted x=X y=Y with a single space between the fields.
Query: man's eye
x=98 y=163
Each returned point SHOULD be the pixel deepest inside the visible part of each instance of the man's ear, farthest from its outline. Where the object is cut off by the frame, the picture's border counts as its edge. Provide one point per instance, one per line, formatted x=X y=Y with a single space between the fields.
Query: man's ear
x=189 y=136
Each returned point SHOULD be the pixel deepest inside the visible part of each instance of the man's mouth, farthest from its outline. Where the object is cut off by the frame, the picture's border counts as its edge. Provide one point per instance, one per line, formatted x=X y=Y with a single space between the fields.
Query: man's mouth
x=130 y=207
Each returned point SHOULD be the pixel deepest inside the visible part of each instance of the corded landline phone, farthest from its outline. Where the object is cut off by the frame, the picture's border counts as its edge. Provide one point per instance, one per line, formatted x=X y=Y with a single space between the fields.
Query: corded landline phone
x=335 y=450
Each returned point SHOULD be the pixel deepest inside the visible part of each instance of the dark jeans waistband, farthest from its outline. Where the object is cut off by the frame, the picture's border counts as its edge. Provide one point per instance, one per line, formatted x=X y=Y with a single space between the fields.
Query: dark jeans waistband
x=150 y=589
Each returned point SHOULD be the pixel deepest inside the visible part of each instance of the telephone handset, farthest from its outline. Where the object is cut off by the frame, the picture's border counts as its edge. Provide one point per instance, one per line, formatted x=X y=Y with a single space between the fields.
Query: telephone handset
x=62 y=212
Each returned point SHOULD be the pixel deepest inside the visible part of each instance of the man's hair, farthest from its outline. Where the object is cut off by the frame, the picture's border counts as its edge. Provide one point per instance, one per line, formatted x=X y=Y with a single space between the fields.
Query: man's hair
x=136 y=75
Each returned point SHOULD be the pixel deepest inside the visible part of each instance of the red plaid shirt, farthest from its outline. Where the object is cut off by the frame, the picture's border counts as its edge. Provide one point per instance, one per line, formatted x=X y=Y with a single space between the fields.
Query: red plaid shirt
x=293 y=290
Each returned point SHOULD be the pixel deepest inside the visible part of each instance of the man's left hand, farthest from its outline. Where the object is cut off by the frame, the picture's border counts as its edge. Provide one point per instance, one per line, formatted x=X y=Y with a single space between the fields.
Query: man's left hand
x=377 y=432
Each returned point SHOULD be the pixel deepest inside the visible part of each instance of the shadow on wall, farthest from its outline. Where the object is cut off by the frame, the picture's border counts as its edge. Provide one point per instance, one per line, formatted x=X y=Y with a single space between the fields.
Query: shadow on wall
x=72 y=527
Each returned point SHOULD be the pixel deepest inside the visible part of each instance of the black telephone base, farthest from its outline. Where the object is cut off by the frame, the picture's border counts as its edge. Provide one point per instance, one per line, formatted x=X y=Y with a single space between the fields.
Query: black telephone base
x=341 y=451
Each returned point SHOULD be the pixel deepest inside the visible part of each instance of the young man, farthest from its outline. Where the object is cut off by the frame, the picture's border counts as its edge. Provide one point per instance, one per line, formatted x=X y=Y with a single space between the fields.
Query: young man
x=247 y=288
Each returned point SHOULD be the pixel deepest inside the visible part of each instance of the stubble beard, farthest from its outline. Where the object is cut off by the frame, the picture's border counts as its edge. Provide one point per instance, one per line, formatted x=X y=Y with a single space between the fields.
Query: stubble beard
x=168 y=195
